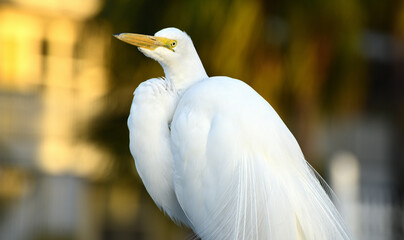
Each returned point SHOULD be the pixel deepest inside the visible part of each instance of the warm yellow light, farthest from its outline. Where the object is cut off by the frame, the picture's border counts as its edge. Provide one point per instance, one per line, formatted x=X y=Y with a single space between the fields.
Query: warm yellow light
x=73 y=8
x=42 y=47
x=90 y=162
x=84 y=160
x=20 y=47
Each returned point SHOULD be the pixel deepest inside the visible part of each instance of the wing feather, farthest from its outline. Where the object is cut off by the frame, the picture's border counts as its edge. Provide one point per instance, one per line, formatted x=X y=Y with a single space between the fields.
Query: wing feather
x=239 y=172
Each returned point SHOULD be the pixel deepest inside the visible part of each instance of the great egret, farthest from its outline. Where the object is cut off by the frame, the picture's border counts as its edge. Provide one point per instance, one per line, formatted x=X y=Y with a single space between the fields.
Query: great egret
x=215 y=156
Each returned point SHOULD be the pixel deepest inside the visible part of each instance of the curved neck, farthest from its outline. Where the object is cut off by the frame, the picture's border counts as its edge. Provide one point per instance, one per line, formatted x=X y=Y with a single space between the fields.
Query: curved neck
x=183 y=75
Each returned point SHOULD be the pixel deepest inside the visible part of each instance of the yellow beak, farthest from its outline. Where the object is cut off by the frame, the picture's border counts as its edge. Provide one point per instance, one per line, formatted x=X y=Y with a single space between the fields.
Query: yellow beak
x=145 y=41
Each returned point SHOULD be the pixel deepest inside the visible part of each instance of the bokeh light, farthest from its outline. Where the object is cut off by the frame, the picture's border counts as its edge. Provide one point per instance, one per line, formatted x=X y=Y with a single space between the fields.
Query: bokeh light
x=333 y=70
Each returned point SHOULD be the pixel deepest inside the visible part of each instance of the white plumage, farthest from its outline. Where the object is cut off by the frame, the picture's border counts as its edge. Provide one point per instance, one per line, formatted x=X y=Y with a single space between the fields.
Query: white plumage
x=214 y=155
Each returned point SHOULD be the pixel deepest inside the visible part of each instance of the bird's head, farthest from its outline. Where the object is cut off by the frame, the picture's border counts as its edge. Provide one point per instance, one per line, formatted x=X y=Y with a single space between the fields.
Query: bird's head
x=173 y=49
x=165 y=45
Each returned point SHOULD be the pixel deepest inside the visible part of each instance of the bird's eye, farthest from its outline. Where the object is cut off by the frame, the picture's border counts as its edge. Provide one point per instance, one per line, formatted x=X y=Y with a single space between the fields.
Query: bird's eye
x=173 y=44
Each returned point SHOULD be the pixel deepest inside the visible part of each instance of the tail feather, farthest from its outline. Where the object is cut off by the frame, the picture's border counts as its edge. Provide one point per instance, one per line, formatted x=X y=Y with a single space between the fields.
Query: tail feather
x=274 y=202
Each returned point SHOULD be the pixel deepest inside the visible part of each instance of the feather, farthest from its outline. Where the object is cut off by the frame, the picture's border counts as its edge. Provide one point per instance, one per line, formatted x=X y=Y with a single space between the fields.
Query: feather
x=239 y=172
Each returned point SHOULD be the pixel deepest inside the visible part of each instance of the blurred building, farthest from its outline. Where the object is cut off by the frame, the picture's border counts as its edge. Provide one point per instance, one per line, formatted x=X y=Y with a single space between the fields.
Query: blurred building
x=365 y=149
x=52 y=71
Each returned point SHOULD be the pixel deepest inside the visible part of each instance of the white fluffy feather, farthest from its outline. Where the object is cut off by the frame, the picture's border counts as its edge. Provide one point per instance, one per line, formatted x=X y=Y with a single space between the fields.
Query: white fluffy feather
x=228 y=168
x=239 y=172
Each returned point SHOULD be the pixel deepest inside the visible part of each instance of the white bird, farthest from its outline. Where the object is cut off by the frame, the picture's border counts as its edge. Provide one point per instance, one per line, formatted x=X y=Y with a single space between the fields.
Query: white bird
x=215 y=156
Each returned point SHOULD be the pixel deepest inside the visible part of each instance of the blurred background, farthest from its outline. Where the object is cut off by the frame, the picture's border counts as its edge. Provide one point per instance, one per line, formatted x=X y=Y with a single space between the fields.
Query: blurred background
x=333 y=70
